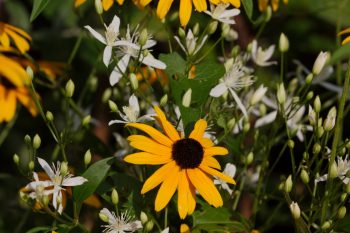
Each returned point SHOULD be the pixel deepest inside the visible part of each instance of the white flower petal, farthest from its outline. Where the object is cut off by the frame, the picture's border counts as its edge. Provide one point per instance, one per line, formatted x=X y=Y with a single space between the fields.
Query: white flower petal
x=117 y=122
x=78 y=180
x=218 y=90
x=239 y=102
x=150 y=61
x=107 y=54
x=46 y=168
x=134 y=104
x=267 y=119
x=115 y=24
x=97 y=35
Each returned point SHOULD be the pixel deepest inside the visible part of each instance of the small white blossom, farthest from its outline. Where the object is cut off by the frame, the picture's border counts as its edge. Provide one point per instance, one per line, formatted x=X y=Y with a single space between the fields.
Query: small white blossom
x=320 y=62
x=191 y=47
x=343 y=166
x=120 y=224
x=234 y=80
x=220 y=13
x=260 y=56
x=258 y=95
x=295 y=210
x=57 y=181
x=230 y=170
x=110 y=38
x=132 y=113
x=128 y=48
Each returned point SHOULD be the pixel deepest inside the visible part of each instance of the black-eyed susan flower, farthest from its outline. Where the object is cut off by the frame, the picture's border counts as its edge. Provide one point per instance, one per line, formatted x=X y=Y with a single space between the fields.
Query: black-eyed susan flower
x=263 y=4
x=187 y=164
x=185 y=10
x=19 y=37
x=347 y=39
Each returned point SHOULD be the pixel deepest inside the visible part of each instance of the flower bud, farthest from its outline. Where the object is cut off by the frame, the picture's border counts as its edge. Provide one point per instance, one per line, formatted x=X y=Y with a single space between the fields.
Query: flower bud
x=86 y=121
x=36 y=141
x=31 y=165
x=115 y=197
x=304 y=176
x=305 y=156
x=246 y=127
x=288 y=184
x=320 y=131
x=343 y=197
x=250 y=158
x=312 y=116
x=258 y=95
x=16 y=159
x=27 y=140
x=149 y=226
x=290 y=143
x=70 y=88
x=87 y=157
x=333 y=172
x=329 y=122
x=295 y=210
x=30 y=72
x=49 y=116
x=103 y=217
x=143 y=217
x=64 y=168
x=309 y=79
x=347 y=188
x=262 y=109
x=231 y=124
x=182 y=33
x=268 y=14
x=106 y=95
x=134 y=82
x=112 y=106
x=184 y=228
x=225 y=28
x=309 y=95
x=45 y=200
x=164 y=100
x=186 y=99
x=341 y=212
x=98 y=7
x=281 y=94
x=235 y=51
x=316 y=148
x=143 y=37
x=283 y=43
x=317 y=104
x=196 y=29
x=212 y=27
x=320 y=62
x=326 y=225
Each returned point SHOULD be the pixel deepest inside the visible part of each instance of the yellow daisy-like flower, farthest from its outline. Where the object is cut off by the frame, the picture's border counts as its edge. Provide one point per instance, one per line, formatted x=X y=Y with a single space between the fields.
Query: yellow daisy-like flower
x=347 y=39
x=19 y=37
x=185 y=10
x=107 y=4
x=263 y=4
x=187 y=164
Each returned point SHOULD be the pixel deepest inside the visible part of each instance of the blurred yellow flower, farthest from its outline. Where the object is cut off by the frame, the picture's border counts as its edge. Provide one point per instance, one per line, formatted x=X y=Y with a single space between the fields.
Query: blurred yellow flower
x=19 y=37
x=184 y=228
x=263 y=4
x=107 y=4
x=347 y=39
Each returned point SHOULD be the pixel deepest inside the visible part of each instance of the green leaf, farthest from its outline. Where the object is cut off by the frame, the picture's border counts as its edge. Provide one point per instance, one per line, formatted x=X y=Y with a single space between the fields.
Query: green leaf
x=215 y=219
x=40 y=229
x=340 y=54
x=38 y=7
x=248 y=7
x=95 y=174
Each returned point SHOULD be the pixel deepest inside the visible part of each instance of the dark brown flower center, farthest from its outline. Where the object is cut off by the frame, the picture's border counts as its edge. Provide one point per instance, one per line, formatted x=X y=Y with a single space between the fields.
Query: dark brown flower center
x=188 y=153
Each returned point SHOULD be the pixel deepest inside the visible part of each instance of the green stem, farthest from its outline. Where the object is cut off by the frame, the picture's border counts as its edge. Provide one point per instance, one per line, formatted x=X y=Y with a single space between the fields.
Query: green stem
x=75 y=49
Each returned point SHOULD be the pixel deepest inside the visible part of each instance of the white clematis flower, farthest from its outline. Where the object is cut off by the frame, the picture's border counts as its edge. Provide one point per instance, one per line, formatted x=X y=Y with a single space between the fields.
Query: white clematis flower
x=234 y=80
x=128 y=48
x=110 y=38
x=220 y=13
x=260 y=56
x=120 y=224
x=343 y=167
x=132 y=113
x=230 y=170
x=191 y=47
x=57 y=181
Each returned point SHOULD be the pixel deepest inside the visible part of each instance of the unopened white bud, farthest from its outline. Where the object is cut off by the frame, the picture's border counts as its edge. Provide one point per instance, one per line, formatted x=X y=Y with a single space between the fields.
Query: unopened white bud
x=309 y=78
x=112 y=106
x=87 y=157
x=288 y=184
x=250 y=158
x=341 y=212
x=317 y=104
x=295 y=210
x=212 y=27
x=27 y=139
x=86 y=120
x=64 y=168
x=320 y=62
x=36 y=141
x=333 y=172
x=329 y=122
x=304 y=176
x=283 y=43
x=268 y=14
x=316 y=149
x=70 y=88
x=103 y=217
x=115 y=197
x=31 y=165
x=196 y=29
x=309 y=95
x=231 y=123
x=134 y=82
x=143 y=37
x=312 y=116
x=143 y=217
x=281 y=94
x=258 y=95
x=49 y=116
x=98 y=7
x=182 y=33
x=30 y=72
x=164 y=100
x=320 y=131
x=225 y=29
x=106 y=95
x=326 y=225
x=186 y=99
x=149 y=226
x=16 y=159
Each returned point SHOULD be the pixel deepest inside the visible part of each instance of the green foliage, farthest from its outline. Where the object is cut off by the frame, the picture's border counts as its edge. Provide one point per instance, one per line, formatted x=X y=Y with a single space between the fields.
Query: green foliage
x=38 y=7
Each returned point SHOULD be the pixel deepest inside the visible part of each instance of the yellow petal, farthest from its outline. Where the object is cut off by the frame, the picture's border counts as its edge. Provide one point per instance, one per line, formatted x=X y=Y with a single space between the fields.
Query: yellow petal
x=185 y=12
x=167 y=189
x=21 y=44
x=263 y=5
x=215 y=2
x=347 y=30
x=155 y=134
x=5 y=40
x=13 y=71
x=205 y=187
x=120 y=2
x=211 y=162
x=235 y=3
x=106 y=4
x=218 y=174
x=346 y=40
x=191 y=198
x=9 y=105
x=147 y=158
x=200 y=5
x=149 y=145
x=158 y=177
x=184 y=228
x=24 y=97
x=163 y=8
x=168 y=128
x=19 y=31
x=199 y=129
x=274 y=4
x=215 y=150
x=144 y=3
x=205 y=142
x=182 y=194
x=78 y=3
